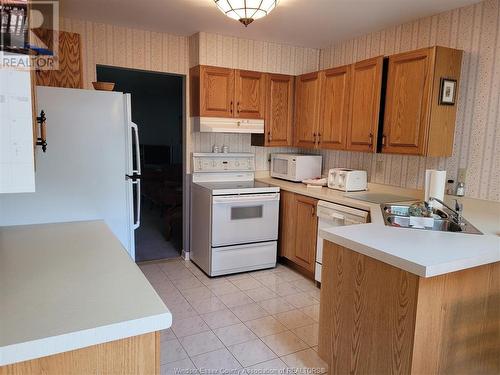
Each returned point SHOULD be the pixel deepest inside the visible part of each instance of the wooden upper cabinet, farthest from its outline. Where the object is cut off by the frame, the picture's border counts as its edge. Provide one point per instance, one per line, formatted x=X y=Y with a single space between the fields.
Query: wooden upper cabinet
x=366 y=86
x=414 y=121
x=279 y=110
x=334 y=107
x=307 y=98
x=212 y=91
x=68 y=58
x=249 y=94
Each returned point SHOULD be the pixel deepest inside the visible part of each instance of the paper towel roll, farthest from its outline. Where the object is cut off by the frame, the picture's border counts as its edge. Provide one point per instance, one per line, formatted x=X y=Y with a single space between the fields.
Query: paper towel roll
x=435 y=183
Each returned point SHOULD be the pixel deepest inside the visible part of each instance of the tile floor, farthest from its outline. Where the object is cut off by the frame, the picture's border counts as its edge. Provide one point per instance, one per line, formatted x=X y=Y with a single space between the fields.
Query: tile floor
x=261 y=322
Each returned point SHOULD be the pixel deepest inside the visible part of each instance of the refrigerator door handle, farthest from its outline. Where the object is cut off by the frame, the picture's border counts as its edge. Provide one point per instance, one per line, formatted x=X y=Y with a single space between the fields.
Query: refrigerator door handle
x=136 y=173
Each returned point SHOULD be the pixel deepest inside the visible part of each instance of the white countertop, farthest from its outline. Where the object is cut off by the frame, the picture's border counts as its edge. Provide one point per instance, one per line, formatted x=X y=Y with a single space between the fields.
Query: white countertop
x=424 y=253
x=68 y=286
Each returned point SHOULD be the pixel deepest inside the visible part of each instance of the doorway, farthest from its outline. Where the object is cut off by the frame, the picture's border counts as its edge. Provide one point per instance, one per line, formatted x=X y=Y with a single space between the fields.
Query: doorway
x=157 y=109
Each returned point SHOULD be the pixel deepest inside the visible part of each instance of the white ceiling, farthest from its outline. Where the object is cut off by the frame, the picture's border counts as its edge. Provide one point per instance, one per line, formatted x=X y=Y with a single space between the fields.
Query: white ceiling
x=311 y=23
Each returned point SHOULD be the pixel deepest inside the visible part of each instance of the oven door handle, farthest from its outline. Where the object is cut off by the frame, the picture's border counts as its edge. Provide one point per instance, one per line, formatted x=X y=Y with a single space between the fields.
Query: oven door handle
x=246 y=198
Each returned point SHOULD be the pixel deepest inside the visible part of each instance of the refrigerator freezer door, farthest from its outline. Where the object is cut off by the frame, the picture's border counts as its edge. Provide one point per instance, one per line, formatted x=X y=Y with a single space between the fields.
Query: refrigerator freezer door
x=82 y=174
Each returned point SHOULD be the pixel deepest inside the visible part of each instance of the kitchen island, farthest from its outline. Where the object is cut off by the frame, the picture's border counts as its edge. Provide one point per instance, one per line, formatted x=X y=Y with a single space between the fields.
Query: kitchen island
x=408 y=301
x=72 y=301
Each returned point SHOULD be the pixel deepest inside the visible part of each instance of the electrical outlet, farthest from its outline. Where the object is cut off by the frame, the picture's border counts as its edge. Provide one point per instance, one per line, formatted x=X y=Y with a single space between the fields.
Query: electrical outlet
x=462 y=173
x=379 y=167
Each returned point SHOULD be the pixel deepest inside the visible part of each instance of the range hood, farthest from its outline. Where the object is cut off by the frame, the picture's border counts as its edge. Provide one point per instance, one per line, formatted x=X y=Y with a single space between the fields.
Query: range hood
x=227 y=125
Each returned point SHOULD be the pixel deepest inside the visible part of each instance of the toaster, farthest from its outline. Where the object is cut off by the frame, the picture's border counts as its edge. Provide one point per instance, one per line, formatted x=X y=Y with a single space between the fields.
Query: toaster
x=347 y=179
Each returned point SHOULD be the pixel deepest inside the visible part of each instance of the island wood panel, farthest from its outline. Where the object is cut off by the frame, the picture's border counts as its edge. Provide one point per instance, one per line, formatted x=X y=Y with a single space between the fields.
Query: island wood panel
x=334 y=107
x=366 y=314
x=249 y=94
x=307 y=98
x=458 y=323
x=407 y=102
x=68 y=57
x=279 y=110
x=366 y=87
x=133 y=355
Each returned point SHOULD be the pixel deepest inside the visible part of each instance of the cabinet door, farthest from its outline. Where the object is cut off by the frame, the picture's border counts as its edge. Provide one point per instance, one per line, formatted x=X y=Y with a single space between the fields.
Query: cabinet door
x=69 y=58
x=307 y=92
x=287 y=225
x=306 y=232
x=334 y=107
x=279 y=100
x=365 y=104
x=250 y=94
x=216 y=91
x=406 y=109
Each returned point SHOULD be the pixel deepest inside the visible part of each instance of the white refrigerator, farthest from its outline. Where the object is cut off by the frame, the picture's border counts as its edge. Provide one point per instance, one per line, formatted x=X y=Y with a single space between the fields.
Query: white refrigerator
x=91 y=169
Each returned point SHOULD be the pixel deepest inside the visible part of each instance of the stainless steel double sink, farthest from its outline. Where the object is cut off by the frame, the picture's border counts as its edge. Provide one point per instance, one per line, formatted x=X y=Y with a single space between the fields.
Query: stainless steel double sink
x=398 y=215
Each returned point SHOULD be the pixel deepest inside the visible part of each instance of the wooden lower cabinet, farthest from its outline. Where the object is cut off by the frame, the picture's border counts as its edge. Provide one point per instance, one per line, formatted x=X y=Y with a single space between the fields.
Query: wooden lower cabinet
x=379 y=319
x=298 y=230
x=133 y=355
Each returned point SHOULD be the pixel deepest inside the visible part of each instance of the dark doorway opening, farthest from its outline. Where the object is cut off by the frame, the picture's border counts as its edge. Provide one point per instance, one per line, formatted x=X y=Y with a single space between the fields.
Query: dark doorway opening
x=157 y=109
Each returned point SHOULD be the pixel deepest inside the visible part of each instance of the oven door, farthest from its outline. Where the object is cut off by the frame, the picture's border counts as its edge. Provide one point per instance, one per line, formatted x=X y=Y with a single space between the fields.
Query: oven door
x=247 y=218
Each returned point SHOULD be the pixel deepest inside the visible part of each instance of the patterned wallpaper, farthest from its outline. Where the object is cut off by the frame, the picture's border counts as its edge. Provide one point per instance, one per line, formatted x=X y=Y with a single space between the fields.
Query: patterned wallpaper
x=476 y=30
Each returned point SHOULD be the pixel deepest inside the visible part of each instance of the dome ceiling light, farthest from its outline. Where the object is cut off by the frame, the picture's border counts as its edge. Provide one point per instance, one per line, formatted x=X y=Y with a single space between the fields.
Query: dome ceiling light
x=246 y=11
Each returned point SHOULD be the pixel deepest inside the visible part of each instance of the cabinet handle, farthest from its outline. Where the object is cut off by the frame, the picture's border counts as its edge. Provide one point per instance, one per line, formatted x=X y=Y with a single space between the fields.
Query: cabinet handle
x=319 y=138
x=313 y=211
x=231 y=107
x=384 y=137
x=42 y=140
x=269 y=136
x=238 y=107
x=314 y=136
x=371 y=139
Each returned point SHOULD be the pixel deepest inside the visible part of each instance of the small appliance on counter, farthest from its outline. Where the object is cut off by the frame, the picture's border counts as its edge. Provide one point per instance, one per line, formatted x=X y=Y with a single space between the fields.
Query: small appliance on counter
x=296 y=167
x=347 y=179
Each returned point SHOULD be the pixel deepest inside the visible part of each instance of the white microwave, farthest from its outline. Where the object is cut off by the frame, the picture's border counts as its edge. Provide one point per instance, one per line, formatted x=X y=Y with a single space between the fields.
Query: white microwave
x=296 y=167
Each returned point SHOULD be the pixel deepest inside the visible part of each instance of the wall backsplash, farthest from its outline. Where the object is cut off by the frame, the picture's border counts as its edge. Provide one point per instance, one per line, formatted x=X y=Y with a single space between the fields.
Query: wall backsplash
x=476 y=30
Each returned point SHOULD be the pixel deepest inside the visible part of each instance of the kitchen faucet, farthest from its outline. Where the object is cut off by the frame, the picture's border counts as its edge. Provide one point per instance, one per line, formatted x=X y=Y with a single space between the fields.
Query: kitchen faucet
x=457 y=212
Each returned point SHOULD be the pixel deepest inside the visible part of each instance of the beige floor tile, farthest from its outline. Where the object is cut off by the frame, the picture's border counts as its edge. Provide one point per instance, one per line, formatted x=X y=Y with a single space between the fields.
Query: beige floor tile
x=217 y=360
x=239 y=276
x=305 y=359
x=246 y=284
x=235 y=299
x=187 y=283
x=265 y=326
x=249 y=312
x=316 y=294
x=276 y=305
x=261 y=294
x=194 y=294
x=167 y=334
x=184 y=366
x=208 y=305
x=285 y=289
x=273 y=367
x=189 y=326
x=289 y=275
x=312 y=311
x=177 y=273
x=171 y=351
x=284 y=343
x=201 y=343
x=306 y=285
x=251 y=352
x=308 y=334
x=301 y=300
x=315 y=348
x=271 y=280
x=234 y=334
x=222 y=288
x=220 y=318
x=181 y=309
x=294 y=319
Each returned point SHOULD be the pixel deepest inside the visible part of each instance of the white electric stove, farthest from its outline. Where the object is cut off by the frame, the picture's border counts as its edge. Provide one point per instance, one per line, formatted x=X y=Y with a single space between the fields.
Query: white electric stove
x=234 y=219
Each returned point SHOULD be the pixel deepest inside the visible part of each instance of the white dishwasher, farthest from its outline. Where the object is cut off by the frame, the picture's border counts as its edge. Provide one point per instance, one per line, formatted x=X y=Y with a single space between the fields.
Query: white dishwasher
x=334 y=215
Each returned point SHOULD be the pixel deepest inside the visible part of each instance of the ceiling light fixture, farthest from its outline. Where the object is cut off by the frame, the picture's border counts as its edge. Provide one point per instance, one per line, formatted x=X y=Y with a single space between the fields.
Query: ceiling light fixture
x=246 y=11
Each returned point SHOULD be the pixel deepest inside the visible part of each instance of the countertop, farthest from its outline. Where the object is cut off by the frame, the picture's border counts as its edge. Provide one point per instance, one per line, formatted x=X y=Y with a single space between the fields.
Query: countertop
x=67 y=286
x=424 y=253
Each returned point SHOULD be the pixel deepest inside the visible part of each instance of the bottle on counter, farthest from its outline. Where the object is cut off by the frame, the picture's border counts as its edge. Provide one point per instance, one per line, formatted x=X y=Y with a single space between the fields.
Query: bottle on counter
x=460 y=189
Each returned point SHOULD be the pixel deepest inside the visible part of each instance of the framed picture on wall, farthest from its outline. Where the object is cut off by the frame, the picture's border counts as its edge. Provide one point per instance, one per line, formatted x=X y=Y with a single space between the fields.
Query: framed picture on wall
x=448 y=91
